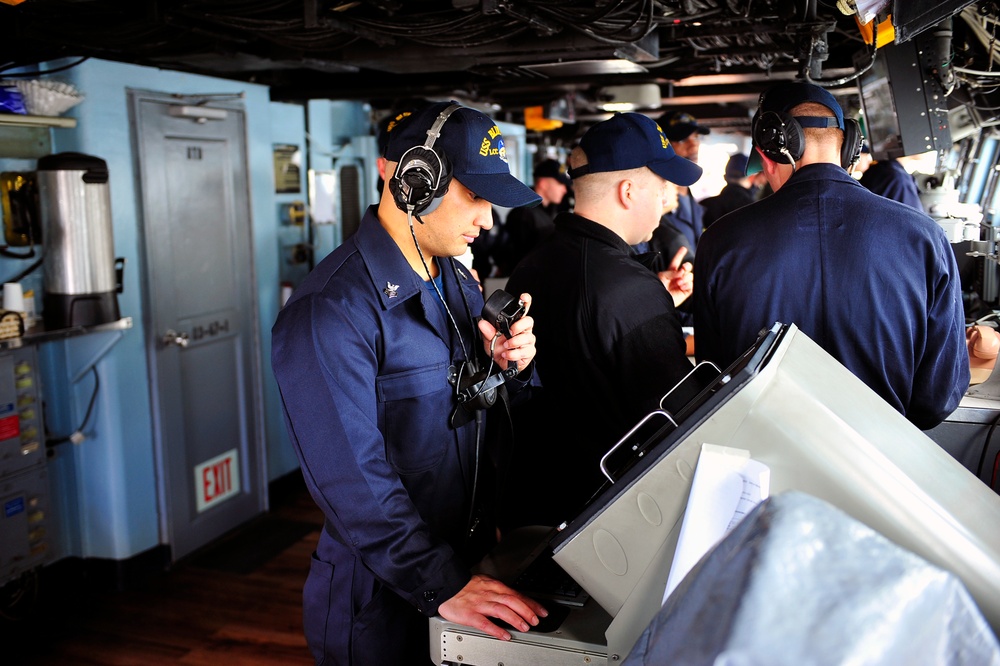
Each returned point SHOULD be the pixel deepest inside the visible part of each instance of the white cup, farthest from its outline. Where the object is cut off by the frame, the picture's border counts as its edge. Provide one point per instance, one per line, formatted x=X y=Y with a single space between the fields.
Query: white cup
x=13 y=297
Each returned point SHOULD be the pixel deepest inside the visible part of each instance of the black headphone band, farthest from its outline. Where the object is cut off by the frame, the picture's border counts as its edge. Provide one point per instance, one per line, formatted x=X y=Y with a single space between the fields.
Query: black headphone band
x=433 y=134
x=435 y=130
x=818 y=122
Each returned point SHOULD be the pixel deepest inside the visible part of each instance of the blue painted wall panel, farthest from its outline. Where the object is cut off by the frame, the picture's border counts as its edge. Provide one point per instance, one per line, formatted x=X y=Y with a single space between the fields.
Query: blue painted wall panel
x=104 y=490
x=287 y=127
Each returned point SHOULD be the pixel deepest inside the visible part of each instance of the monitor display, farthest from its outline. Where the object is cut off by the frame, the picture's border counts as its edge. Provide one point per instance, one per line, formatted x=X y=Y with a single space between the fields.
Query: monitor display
x=904 y=111
x=881 y=124
x=704 y=384
x=912 y=17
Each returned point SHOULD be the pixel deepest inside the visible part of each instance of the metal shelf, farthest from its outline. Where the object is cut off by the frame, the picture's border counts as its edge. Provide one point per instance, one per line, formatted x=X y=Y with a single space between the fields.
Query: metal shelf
x=29 y=137
x=18 y=120
x=37 y=334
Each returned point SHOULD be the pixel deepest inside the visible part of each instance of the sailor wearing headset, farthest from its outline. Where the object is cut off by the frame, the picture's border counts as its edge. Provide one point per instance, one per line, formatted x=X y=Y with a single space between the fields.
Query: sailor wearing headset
x=378 y=357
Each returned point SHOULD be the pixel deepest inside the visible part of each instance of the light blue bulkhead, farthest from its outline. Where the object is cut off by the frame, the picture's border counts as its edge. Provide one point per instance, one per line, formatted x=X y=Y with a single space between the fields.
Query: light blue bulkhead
x=104 y=490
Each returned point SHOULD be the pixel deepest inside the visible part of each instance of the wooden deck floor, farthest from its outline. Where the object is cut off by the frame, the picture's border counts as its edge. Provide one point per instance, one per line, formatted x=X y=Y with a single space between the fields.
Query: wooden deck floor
x=219 y=607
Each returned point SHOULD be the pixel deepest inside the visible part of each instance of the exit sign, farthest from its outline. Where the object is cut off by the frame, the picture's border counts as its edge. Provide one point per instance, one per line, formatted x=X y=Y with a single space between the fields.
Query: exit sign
x=217 y=480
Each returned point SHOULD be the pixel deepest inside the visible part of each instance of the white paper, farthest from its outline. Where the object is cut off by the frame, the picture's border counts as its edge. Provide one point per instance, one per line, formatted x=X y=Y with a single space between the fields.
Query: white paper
x=869 y=9
x=727 y=485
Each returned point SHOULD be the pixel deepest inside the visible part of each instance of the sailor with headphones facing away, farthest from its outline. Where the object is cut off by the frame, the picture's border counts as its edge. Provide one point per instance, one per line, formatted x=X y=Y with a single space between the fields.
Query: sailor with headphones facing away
x=781 y=137
x=383 y=366
x=872 y=281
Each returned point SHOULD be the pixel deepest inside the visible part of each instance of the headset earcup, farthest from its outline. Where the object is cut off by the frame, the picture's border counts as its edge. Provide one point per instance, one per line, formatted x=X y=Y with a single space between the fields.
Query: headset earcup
x=795 y=137
x=412 y=184
x=397 y=195
x=442 y=188
x=778 y=135
x=768 y=135
x=850 y=152
x=421 y=179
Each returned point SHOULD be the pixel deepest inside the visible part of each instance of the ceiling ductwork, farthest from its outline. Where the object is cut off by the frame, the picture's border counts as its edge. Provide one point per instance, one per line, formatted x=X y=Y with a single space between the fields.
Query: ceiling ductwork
x=507 y=53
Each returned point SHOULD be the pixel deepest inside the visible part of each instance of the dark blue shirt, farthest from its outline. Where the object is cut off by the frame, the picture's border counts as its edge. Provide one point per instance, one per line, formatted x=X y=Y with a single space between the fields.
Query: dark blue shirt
x=889 y=179
x=870 y=280
x=609 y=346
x=732 y=196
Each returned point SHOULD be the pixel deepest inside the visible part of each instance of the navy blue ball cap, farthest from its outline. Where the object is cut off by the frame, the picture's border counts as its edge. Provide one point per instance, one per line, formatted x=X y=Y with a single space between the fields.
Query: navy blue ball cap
x=736 y=166
x=473 y=144
x=784 y=97
x=552 y=169
x=679 y=125
x=387 y=125
x=631 y=141
x=787 y=95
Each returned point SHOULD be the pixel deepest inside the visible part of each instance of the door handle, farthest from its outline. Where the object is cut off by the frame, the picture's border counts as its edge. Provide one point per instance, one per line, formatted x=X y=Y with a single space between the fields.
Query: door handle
x=172 y=337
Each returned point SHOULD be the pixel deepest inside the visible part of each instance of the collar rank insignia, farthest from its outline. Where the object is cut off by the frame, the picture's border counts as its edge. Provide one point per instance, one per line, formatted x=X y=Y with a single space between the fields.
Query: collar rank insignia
x=391 y=289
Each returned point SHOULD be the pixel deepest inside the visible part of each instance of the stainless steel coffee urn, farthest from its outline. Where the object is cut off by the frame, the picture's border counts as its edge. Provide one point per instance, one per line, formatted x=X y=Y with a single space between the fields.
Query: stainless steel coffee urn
x=82 y=278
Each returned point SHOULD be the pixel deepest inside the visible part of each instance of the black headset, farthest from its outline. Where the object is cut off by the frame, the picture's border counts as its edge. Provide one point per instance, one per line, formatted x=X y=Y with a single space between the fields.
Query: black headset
x=781 y=138
x=423 y=174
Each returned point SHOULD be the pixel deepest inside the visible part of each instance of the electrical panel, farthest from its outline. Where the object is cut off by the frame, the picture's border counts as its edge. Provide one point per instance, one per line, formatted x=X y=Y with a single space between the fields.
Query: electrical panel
x=22 y=436
x=25 y=523
x=24 y=490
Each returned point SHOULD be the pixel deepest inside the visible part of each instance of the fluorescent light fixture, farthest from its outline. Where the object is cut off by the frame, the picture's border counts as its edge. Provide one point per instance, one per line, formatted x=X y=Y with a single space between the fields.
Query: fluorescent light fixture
x=618 y=106
x=630 y=97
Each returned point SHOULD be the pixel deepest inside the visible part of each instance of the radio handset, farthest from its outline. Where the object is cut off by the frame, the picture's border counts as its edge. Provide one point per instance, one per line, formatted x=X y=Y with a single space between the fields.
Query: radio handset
x=478 y=390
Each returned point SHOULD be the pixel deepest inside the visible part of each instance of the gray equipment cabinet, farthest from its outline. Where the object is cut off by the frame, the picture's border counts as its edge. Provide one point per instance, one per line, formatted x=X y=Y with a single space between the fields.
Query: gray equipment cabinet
x=24 y=487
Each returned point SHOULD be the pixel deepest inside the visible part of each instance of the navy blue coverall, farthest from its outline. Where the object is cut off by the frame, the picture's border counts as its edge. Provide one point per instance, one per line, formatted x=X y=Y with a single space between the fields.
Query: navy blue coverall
x=362 y=353
x=872 y=281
